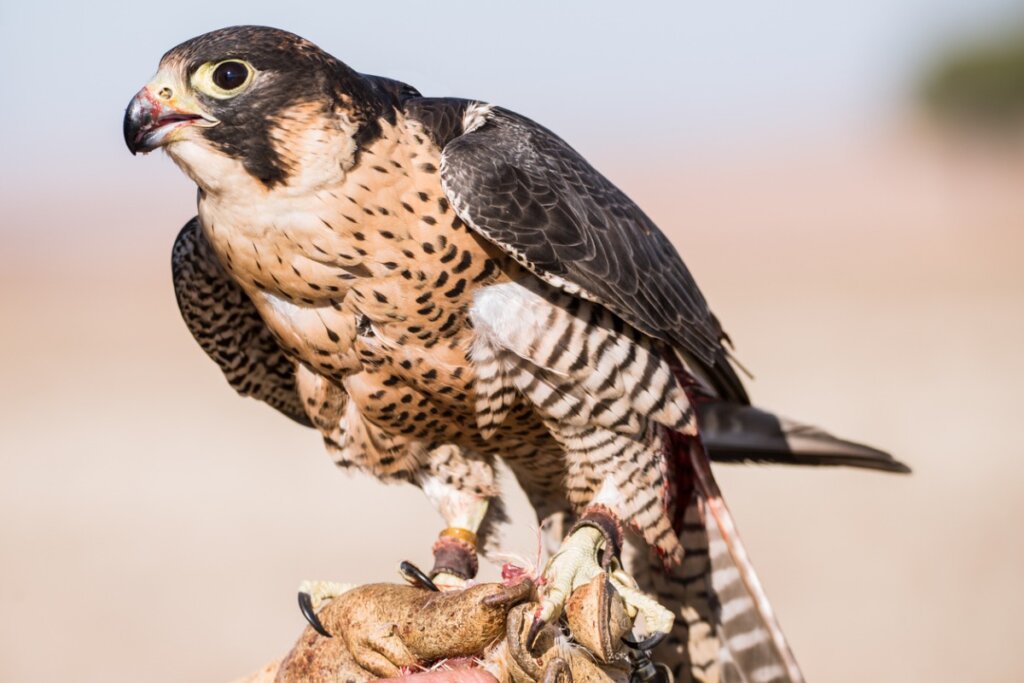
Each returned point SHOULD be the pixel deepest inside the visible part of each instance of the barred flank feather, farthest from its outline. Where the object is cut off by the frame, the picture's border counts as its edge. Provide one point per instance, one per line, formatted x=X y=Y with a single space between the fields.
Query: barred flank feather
x=575 y=361
x=603 y=391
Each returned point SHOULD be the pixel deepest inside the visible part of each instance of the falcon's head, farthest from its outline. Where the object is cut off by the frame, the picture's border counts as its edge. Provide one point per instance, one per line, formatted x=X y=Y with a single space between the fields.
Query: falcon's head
x=258 y=101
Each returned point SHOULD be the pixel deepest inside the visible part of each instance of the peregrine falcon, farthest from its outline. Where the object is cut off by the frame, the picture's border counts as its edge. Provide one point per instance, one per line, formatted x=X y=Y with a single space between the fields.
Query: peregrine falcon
x=435 y=283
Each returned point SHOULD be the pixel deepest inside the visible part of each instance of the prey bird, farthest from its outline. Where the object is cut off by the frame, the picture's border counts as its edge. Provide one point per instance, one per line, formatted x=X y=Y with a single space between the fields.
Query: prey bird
x=436 y=283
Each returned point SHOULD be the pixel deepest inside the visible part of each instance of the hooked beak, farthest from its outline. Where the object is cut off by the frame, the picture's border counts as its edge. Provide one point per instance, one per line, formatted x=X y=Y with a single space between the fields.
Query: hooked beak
x=151 y=118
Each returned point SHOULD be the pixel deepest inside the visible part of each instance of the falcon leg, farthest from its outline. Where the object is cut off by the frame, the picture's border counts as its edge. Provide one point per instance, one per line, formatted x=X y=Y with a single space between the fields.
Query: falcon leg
x=460 y=485
x=455 y=558
x=455 y=551
x=592 y=547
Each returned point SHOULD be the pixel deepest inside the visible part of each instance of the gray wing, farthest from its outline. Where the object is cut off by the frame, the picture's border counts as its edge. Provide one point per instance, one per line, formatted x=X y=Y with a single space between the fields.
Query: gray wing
x=226 y=325
x=531 y=194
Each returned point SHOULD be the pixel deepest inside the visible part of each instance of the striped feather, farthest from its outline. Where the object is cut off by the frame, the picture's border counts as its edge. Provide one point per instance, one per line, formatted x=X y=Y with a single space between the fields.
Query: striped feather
x=724 y=629
x=573 y=360
x=753 y=647
x=603 y=391
x=692 y=650
x=495 y=393
x=627 y=431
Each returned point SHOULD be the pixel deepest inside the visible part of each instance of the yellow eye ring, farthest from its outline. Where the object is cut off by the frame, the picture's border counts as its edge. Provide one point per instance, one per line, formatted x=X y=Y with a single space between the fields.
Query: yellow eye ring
x=223 y=79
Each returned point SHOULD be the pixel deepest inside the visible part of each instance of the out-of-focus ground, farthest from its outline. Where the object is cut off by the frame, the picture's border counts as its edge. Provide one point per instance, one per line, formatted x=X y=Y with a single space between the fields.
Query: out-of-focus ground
x=154 y=526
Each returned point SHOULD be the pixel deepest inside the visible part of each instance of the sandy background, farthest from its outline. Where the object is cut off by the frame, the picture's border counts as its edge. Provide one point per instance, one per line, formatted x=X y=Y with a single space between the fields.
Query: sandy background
x=153 y=526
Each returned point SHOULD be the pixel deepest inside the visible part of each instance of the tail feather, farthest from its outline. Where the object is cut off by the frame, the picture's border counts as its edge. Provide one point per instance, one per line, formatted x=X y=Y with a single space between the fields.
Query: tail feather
x=692 y=649
x=725 y=629
x=753 y=647
x=743 y=433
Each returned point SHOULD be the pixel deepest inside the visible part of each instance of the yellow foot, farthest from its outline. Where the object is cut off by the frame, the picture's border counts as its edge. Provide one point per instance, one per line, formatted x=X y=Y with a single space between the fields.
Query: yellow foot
x=576 y=564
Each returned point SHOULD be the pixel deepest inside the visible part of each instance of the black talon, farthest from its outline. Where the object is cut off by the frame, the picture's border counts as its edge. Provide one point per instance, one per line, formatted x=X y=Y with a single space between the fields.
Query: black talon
x=646 y=644
x=306 y=607
x=415 y=575
x=643 y=670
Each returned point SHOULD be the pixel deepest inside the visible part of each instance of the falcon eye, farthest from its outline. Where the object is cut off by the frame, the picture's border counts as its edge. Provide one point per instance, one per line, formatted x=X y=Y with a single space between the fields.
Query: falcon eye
x=230 y=75
x=223 y=80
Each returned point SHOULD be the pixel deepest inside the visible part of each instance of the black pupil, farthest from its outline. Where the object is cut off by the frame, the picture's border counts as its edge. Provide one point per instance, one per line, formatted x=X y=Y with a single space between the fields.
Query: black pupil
x=230 y=75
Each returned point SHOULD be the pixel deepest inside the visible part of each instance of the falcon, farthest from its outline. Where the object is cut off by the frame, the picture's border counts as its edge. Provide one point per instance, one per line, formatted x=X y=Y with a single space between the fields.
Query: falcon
x=435 y=284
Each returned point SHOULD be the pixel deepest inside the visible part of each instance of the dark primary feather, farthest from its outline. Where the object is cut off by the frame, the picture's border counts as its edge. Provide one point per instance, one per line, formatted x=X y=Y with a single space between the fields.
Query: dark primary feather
x=743 y=433
x=530 y=193
x=226 y=325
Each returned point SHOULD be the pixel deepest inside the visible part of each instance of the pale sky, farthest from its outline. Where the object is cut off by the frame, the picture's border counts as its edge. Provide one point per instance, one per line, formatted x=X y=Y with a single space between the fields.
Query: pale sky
x=606 y=77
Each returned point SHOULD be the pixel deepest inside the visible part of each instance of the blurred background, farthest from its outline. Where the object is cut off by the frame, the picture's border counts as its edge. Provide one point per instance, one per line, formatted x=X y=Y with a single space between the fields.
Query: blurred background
x=846 y=181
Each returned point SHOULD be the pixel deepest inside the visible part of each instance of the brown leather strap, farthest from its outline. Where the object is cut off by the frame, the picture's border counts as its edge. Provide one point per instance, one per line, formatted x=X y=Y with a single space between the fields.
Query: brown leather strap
x=454 y=556
x=607 y=522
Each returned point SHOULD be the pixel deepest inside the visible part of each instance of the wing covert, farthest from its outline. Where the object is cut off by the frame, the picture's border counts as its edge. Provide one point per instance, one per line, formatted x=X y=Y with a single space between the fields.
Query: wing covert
x=527 y=191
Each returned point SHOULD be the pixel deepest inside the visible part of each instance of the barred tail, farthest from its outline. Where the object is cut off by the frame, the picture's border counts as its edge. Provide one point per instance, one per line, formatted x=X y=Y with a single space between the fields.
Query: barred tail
x=753 y=645
x=725 y=628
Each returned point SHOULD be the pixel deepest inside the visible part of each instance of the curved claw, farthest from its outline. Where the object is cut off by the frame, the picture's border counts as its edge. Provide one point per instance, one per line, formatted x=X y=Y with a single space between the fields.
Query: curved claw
x=646 y=644
x=643 y=670
x=416 y=576
x=306 y=607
